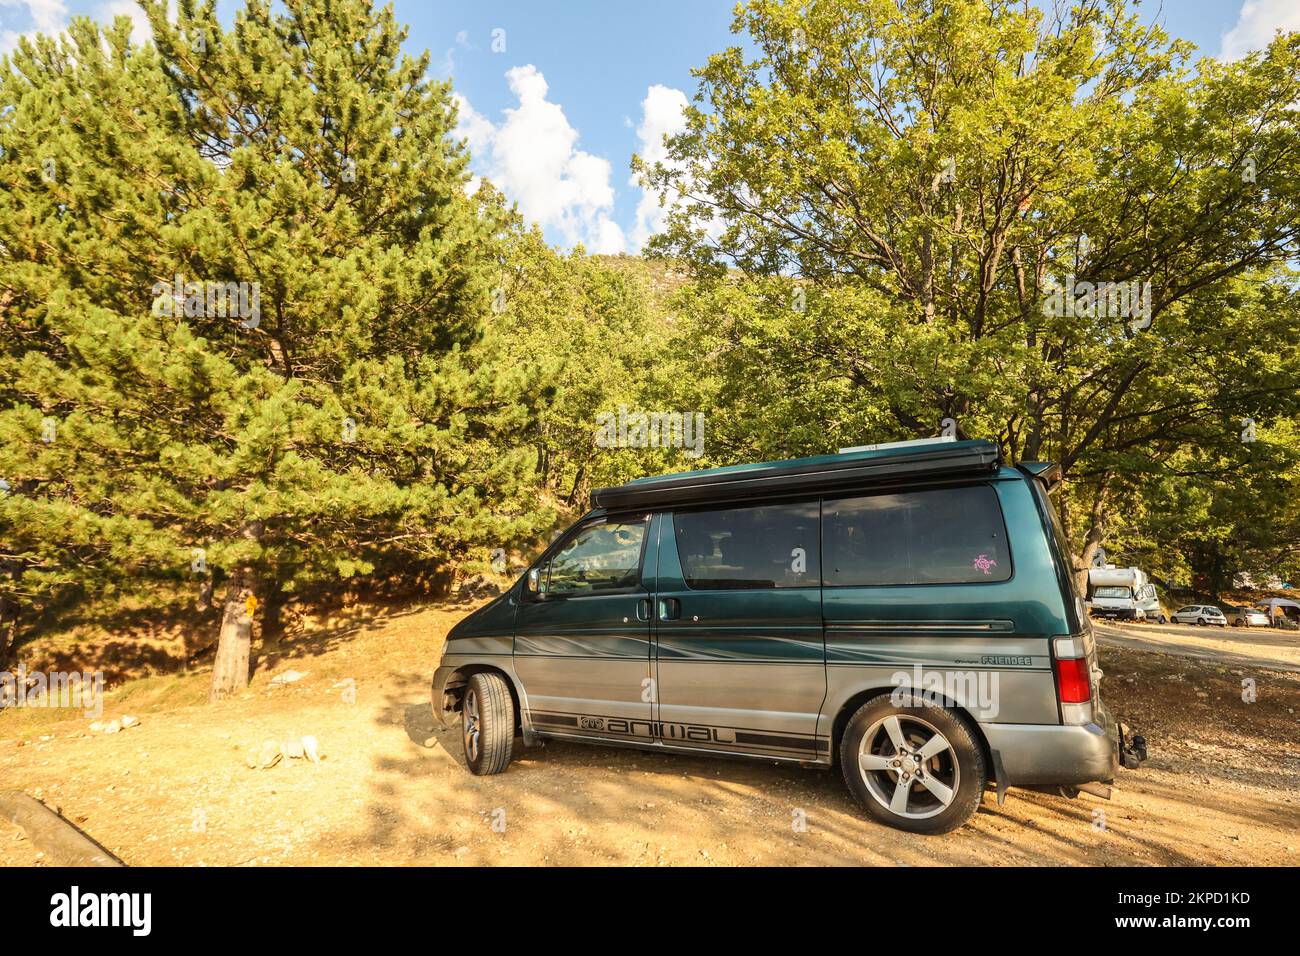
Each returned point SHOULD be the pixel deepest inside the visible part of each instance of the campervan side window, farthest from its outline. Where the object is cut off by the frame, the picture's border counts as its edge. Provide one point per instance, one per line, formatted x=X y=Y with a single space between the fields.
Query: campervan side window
x=605 y=556
x=938 y=536
x=772 y=546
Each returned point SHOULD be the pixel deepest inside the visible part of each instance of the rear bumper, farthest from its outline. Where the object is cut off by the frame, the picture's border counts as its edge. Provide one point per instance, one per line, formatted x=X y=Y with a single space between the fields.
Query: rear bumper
x=1056 y=754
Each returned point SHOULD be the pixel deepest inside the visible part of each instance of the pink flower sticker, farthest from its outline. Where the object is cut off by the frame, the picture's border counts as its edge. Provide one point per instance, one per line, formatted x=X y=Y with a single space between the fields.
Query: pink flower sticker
x=985 y=563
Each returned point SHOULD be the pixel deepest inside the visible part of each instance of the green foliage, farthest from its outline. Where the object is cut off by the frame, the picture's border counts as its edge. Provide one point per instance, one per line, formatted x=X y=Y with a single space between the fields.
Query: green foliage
x=363 y=413
x=925 y=177
x=597 y=326
x=876 y=209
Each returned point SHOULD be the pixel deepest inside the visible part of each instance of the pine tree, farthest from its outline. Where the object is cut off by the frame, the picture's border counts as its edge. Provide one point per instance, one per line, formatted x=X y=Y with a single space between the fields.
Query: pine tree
x=242 y=276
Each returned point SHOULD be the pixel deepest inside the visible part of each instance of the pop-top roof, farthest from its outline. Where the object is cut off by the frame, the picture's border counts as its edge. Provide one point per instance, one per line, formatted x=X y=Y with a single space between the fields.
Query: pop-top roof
x=853 y=469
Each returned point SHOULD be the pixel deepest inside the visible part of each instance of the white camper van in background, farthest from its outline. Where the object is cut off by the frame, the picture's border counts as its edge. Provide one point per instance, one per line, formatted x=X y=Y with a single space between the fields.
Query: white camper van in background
x=1123 y=593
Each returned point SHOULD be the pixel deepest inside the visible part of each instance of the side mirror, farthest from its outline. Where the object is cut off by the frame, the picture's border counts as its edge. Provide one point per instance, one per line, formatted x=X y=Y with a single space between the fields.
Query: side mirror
x=534 y=583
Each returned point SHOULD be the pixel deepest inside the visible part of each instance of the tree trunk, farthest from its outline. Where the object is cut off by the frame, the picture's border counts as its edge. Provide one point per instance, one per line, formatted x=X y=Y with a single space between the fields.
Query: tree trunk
x=205 y=594
x=234 y=644
x=1217 y=578
x=230 y=669
x=8 y=629
x=577 y=485
x=9 y=608
x=1096 y=533
x=273 y=610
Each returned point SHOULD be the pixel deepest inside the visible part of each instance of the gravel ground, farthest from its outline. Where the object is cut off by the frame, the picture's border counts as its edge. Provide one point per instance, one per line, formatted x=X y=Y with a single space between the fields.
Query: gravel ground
x=1222 y=785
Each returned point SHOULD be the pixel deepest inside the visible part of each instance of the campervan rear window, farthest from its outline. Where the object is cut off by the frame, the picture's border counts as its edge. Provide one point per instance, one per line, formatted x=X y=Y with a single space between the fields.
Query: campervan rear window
x=938 y=536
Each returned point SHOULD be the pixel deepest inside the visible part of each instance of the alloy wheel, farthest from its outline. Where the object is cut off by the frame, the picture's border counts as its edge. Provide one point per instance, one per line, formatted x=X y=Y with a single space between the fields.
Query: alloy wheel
x=909 y=766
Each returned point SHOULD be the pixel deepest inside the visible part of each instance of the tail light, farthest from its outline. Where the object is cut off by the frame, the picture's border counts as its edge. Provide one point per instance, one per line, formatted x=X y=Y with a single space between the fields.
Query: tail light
x=1072 y=681
x=1074 y=678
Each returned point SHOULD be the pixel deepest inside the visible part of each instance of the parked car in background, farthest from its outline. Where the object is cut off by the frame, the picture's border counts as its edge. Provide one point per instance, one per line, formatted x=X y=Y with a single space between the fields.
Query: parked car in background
x=1245 y=616
x=1202 y=614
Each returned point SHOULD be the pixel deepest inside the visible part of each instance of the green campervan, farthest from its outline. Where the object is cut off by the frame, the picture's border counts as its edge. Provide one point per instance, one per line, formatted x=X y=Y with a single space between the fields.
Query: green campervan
x=904 y=612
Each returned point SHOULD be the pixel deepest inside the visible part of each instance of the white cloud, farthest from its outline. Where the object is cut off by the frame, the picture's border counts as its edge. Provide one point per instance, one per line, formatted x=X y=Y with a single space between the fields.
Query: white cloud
x=51 y=18
x=472 y=126
x=663 y=113
x=47 y=16
x=532 y=156
x=1255 y=27
x=447 y=66
x=107 y=12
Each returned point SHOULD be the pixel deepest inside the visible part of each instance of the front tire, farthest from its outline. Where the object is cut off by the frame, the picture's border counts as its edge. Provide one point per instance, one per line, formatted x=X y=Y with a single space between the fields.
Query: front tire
x=487 y=721
x=1201 y=621
x=917 y=767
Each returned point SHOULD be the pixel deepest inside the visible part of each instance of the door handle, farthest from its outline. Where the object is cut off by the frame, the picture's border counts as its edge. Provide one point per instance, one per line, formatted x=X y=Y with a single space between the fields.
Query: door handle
x=670 y=609
x=643 y=609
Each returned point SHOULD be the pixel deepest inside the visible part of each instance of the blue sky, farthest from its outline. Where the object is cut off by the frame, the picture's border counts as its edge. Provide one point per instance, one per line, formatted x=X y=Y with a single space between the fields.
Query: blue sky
x=556 y=103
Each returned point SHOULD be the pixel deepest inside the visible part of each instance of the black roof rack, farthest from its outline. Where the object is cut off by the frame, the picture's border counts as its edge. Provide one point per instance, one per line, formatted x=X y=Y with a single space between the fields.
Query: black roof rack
x=823 y=473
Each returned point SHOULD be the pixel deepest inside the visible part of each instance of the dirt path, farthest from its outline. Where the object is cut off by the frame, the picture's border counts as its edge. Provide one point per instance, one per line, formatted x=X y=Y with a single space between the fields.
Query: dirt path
x=1237 y=647
x=1221 y=786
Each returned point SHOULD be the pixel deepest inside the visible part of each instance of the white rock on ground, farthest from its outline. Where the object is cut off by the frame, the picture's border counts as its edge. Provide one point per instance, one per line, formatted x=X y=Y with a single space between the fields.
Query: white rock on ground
x=289 y=677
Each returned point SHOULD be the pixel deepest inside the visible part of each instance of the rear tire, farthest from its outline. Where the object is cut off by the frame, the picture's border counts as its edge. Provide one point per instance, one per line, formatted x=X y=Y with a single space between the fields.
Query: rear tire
x=487 y=721
x=917 y=767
